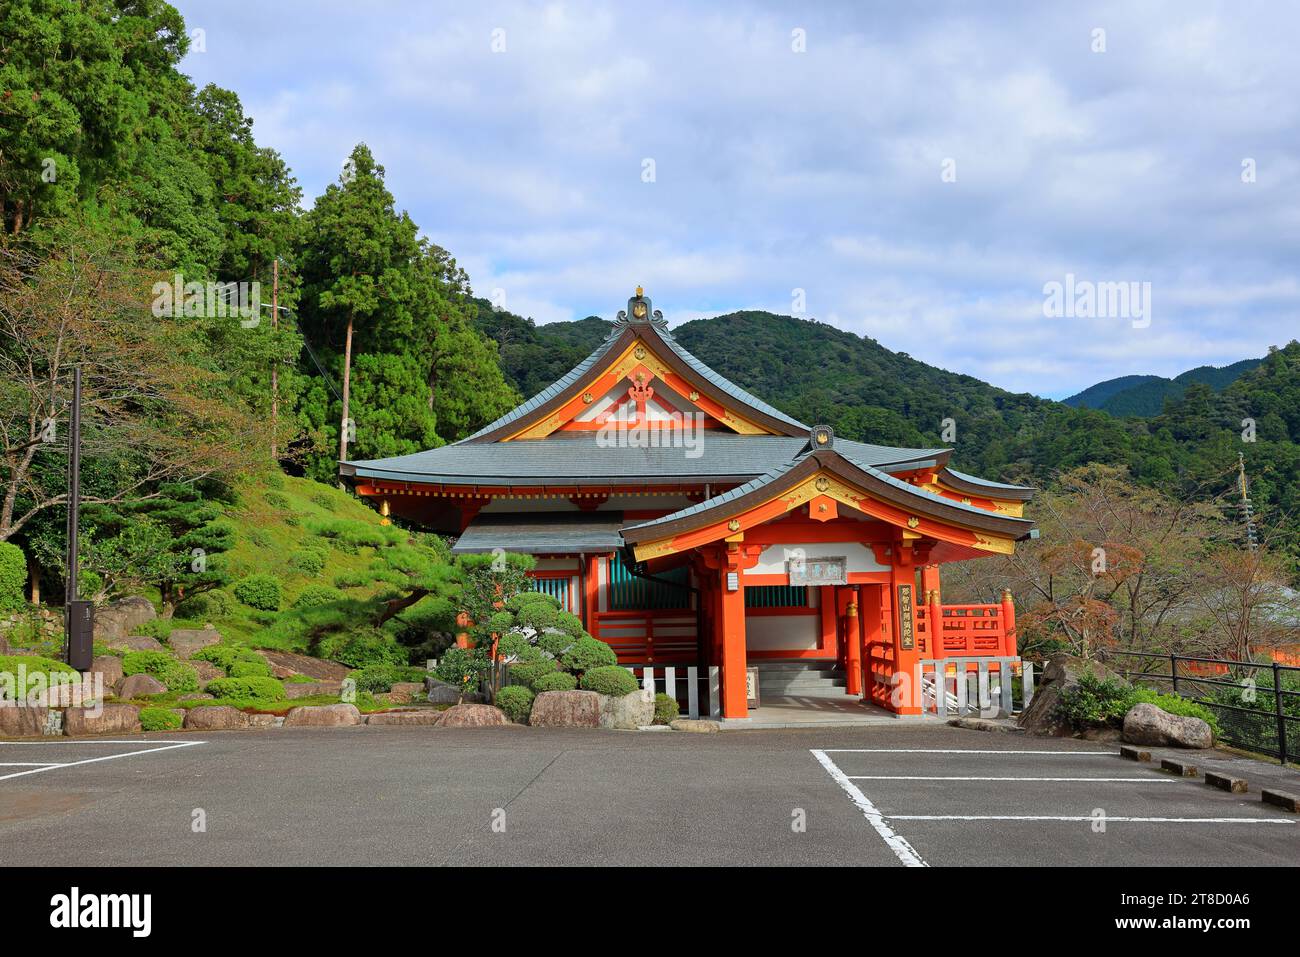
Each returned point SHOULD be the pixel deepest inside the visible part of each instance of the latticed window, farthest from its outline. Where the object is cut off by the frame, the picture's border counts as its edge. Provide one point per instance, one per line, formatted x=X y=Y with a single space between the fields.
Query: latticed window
x=557 y=588
x=776 y=596
x=627 y=592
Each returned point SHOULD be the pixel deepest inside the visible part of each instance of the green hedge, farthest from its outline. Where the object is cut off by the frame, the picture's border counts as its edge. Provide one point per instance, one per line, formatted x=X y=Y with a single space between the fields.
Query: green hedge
x=555 y=681
x=516 y=701
x=159 y=719
x=666 y=709
x=264 y=689
x=175 y=674
x=588 y=653
x=13 y=576
x=610 y=679
x=314 y=595
x=226 y=657
x=259 y=591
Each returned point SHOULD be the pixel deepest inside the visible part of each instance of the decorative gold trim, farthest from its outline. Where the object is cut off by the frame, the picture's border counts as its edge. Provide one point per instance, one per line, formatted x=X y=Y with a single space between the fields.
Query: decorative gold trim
x=913 y=521
x=734 y=525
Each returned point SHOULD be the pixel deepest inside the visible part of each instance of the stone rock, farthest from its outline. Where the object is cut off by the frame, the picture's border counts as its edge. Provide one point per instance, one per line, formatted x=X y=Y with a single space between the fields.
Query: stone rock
x=281 y=672
x=133 y=686
x=118 y=619
x=567 y=709
x=427 y=717
x=440 y=692
x=207 y=717
x=473 y=716
x=135 y=643
x=696 y=725
x=262 y=720
x=302 y=689
x=198 y=696
x=1147 y=724
x=295 y=664
x=23 y=721
x=1059 y=672
x=109 y=667
x=79 y=694
x=186 y=641
x=323 y=716
x=206 y=670
x=627 y=712
x=102 y=719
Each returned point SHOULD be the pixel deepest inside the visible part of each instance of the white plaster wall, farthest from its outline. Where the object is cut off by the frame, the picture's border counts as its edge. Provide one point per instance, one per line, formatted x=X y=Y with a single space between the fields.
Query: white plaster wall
x=782 y=632
x=772 y=560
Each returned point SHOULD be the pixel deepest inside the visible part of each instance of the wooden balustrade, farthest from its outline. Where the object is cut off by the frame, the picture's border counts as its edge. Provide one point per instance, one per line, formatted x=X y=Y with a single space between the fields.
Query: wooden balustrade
x=966 y=630
x=647 y=637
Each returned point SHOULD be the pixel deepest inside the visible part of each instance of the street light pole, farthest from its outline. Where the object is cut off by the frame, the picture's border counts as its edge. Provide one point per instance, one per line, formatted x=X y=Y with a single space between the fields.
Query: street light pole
x=79 y=615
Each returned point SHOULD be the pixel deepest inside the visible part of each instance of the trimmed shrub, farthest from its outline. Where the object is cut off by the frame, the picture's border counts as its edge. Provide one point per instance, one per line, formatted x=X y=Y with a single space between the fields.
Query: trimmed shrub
x=208 y=606
x=174 y=673
x=362 y=649
x=263 y=689
x=528 y=673
x=159 y=719
x=380 y=678
x=1094 y=701
x=309 y=561
x=324 y=500
x=277 y=500
x=588 y=653
x=259 y=538
x=33 y=665
x=349 y=580
x=555 y=681
x=610 y=680
x=249 y=669
x=259 y=591
x=13 y=576
x=314 y=595
x=666 y=710
x=516 y=701
x=226 y=657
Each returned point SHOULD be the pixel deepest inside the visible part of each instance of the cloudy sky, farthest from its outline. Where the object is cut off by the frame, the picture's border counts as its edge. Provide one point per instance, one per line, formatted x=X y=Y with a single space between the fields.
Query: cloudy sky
x=920 y=174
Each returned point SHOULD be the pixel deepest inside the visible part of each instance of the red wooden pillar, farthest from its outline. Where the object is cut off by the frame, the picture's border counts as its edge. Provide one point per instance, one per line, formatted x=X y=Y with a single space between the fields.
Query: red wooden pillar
x=591 y=592
x=852 y=648
x=1009 y=638
x=731 y=627
x=873 y=642
x=905 y=697
x=930 y=580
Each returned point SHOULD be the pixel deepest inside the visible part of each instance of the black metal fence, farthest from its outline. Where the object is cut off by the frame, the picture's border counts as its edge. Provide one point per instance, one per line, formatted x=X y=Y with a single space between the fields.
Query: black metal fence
x=1262 y=706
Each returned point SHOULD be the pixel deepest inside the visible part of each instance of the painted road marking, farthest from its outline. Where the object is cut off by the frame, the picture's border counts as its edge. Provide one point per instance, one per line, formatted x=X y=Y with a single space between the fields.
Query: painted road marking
x=895 y=842
x=1069 y=754
x=107 y=757
x=1107 y=818
x=944 y=777
x=30 y=764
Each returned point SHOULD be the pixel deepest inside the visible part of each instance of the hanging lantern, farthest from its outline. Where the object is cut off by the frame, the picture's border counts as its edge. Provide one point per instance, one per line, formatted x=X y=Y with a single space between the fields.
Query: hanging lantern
x=385 y=511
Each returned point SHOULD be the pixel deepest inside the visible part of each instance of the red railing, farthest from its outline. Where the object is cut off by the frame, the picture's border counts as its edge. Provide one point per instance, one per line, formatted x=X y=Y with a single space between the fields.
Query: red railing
x=648 y=637
x=966 y=630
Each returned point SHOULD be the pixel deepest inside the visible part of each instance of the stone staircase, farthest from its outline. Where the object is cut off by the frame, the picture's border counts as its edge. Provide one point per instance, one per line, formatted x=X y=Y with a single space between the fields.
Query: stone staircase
x=799 y=679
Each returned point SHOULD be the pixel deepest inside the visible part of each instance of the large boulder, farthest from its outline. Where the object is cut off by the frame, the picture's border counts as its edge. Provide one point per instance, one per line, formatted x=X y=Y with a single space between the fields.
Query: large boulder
x=427 y=717
x=102 y=719
x=109 y=669
x=305 y=689
x=323 y=716
x=135 y=643
x=695 y=725
x=135 y=686
x=1147 y=724
x=1059 y=673
x=440 y=692
x=472 y=716
x=566 y=709
x=186 y=641
x=118 y=619
x=207 y=717
x=627 y=712
x=206 y=670
x=22 y=721
x=286 y=663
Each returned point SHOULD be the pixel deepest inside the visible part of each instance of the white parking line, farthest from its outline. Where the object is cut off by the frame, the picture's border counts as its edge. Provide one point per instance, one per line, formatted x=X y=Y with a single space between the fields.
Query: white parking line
x=108 y=757
x=1065 y=754
x=896 y=843
x=1109 y=819
x=945 y=777
x=30 y=764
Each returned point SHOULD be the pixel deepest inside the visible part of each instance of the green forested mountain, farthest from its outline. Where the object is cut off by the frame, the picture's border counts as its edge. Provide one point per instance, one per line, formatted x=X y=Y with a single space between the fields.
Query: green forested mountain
x=819 y=373
x=1146 y=395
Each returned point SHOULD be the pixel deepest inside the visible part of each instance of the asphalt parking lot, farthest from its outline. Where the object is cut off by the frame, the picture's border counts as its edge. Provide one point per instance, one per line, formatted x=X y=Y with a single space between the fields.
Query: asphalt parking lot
x=911 y=795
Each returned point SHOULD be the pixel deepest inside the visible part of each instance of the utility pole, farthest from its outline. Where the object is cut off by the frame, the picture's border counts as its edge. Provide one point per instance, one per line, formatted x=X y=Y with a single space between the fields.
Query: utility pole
x=79 y=615
x=275 y=363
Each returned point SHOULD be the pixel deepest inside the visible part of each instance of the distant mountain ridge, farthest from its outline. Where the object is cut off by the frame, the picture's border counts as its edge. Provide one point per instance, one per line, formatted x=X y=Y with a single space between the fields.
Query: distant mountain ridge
x=1145 y=395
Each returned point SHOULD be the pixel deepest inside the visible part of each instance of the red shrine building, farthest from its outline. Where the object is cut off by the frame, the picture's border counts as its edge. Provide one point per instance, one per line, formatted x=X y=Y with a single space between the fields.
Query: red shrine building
x=689 y=523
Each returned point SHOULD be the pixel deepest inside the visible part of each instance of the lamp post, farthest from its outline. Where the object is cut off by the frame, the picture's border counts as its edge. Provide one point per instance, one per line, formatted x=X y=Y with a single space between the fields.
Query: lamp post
x=79 y=615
